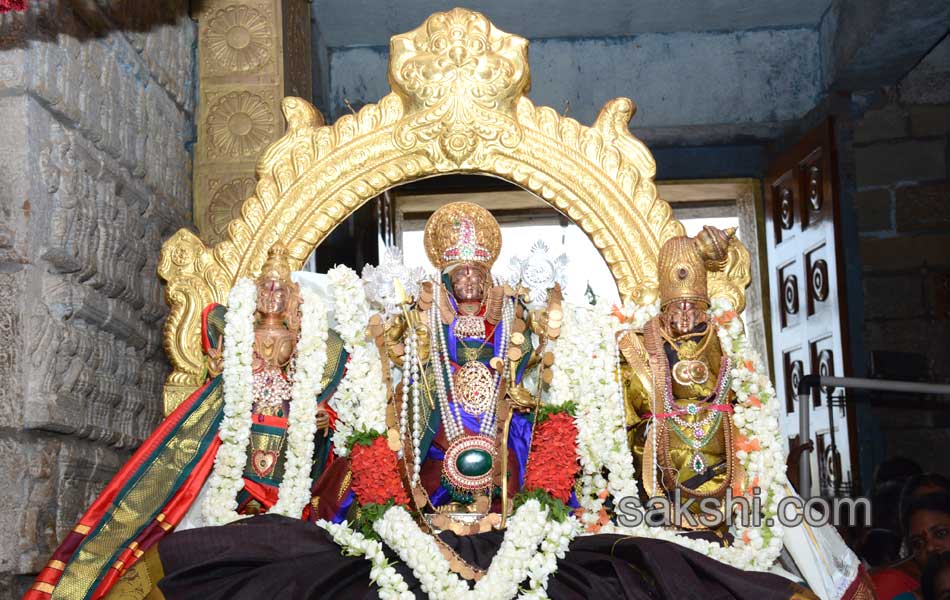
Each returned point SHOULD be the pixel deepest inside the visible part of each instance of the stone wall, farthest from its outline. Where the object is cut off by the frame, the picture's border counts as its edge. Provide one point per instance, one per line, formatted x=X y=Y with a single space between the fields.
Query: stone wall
x=902 y=162
x=97 y=105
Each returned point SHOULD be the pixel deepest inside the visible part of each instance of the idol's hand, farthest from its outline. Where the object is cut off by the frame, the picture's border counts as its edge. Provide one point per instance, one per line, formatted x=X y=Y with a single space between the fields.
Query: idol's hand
x=521 y=399
x=216 y=359
x=323 y=421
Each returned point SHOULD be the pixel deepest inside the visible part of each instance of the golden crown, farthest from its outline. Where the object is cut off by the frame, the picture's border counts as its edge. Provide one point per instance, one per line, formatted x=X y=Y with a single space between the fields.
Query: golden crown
x=462 y=232
x=684 y=262
x=277 y=265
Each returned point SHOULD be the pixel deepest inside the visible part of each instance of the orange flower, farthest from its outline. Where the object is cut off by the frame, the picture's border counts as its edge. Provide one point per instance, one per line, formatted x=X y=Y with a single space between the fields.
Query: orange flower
x=726 y=317
x=737 y=490
x=749 y=365
x=745 y=537
x=615 y=311
x=746 y=444
x=754 y=402
x=752 y=486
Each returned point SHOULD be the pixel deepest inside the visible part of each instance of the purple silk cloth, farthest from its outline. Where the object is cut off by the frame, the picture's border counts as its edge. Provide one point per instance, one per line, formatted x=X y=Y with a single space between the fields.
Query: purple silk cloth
x=340 y=515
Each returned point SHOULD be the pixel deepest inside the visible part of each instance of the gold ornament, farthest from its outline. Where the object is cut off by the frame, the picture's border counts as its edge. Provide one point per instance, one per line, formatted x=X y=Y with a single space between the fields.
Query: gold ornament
x=277 y=266
x=462 y=232
x=684 y=261
x=315 y=176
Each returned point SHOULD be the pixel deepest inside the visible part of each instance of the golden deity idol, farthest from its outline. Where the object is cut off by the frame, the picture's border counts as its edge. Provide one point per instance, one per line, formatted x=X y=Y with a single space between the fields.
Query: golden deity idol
x=677 y=378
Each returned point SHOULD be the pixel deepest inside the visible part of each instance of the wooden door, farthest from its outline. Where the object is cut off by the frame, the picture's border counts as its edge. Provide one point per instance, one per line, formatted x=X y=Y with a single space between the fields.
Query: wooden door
x=808 y=304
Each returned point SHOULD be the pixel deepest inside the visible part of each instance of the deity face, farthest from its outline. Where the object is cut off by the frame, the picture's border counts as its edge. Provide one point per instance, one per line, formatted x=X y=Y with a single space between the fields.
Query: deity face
x=272 y=297
x=468 y=283
x=684 y=315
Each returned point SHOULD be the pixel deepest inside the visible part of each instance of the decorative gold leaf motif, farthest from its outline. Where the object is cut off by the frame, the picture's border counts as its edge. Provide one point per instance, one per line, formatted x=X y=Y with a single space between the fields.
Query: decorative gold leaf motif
x=458 y=104
x=460 y=76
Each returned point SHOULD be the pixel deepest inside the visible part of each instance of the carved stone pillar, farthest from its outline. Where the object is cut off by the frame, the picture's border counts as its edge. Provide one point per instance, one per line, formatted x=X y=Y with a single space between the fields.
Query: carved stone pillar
x=251 y=53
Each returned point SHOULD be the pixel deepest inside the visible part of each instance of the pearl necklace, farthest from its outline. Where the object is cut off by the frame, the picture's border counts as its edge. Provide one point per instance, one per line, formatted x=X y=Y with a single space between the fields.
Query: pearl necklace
x=440 y=359
x=410 y=379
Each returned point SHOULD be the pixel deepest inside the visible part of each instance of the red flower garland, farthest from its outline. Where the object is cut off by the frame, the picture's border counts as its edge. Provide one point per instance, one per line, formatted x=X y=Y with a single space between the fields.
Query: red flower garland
x=376 y=474
x=12 y=5
x=553 y=463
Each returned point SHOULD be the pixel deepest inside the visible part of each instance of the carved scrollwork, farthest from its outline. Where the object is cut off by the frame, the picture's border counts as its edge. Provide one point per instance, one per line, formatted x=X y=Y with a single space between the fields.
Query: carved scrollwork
x=819 y=280
x=814 y=187
x=458 y=105
x=786 y=208
x=790 y=295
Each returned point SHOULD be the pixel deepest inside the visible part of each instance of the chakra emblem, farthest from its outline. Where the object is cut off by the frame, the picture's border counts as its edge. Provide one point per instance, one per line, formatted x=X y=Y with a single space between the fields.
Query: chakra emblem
x=468 y=463
x=473 y=384
x=538 y=272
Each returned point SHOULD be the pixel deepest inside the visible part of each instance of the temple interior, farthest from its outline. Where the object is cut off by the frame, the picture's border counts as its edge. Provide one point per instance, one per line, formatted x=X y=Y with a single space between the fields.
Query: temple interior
x=819 y=130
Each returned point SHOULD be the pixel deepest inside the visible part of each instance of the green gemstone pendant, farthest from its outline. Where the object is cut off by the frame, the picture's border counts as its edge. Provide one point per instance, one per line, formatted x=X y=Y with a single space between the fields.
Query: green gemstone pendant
x=473 y=463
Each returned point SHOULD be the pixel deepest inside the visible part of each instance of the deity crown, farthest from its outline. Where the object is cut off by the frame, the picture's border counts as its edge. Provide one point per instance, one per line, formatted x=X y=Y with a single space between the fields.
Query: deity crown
x=277 y=265
x=462 y=232
x=684 y=261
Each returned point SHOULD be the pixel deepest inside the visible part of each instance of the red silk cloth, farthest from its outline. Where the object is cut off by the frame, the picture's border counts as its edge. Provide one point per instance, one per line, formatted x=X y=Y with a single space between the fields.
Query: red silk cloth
x=12 y=5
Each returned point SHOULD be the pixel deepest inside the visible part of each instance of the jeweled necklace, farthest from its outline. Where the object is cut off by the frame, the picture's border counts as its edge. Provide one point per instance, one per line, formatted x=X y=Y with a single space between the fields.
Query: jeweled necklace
x=469 y=459
x=700 y=435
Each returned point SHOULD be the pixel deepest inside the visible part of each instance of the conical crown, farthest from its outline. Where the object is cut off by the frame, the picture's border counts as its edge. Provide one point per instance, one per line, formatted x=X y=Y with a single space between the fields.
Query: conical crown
x=684 y=262
x=277 y=265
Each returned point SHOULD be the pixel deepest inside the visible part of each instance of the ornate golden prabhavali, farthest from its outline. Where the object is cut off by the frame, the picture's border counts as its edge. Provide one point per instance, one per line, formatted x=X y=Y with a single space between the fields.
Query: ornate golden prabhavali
x=458 y=104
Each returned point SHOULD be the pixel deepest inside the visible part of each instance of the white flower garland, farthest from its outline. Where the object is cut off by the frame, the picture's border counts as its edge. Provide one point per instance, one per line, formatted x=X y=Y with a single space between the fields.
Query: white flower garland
x=360 y=400
x=584 y=372
x=532 y=545
x=391 y=584
x=226 y=479
x=296 y=485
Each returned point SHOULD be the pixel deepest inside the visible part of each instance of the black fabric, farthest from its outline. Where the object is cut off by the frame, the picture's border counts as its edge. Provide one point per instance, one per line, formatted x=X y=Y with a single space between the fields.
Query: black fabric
x=271 y=556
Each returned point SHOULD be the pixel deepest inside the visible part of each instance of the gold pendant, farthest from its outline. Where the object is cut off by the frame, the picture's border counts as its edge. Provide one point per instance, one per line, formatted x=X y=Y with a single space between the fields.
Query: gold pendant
x=473 y=385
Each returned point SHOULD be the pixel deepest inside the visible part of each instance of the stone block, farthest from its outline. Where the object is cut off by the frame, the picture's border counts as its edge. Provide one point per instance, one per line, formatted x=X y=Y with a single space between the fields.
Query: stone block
x=894 y=296
x=938 y=294
x=888 y=163
x=923 y=336
x=884 y=124
x=929 y=81
x=905 y=252
x=928 y=121
x=919 y=443
x=924 y=207
x=875 y=210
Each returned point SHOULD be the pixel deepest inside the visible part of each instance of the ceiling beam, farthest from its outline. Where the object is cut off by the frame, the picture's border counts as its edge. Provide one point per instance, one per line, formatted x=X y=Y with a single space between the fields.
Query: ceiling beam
x=870 y=43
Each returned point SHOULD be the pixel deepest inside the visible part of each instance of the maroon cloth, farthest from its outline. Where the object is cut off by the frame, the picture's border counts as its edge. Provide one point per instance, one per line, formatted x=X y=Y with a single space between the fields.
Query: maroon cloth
x=12 y=5
x=271 y=556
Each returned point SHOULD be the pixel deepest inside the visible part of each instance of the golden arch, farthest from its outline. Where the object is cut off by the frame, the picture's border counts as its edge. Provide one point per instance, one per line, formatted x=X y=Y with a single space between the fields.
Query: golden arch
x=458 y=104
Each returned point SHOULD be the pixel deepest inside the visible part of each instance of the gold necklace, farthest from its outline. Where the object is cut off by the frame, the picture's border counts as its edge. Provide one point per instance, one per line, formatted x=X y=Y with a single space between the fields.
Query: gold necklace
x=689 y=349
